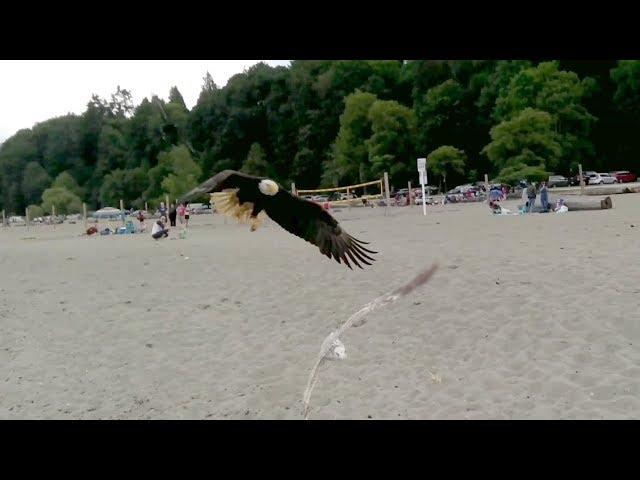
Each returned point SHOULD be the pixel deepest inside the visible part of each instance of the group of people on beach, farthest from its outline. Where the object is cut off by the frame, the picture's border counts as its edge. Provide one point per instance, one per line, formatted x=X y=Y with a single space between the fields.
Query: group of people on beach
x=529 y=196
x=160 y=229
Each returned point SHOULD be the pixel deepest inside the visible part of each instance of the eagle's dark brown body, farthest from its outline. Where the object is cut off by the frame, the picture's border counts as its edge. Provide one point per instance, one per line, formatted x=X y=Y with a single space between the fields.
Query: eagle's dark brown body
x=247 y=198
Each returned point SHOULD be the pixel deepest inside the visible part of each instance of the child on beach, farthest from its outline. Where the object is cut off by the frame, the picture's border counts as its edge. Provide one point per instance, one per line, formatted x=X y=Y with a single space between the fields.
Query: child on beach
x=186 y=214
x=141 y=220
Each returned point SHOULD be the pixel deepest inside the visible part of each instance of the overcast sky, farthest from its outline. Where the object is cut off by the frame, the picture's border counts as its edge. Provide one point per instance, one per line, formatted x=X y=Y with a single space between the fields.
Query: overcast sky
x=33 y=91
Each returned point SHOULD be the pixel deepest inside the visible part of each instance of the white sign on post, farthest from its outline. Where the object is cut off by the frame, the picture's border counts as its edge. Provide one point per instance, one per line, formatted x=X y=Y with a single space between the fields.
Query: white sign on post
x=422 y=170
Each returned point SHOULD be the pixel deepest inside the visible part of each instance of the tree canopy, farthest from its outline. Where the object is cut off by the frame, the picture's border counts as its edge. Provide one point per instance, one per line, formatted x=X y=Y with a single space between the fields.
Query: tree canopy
x=323 y=122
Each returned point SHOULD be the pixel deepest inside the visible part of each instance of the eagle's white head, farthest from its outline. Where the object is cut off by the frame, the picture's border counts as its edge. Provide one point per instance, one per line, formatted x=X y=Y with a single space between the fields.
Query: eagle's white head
x=268 y=187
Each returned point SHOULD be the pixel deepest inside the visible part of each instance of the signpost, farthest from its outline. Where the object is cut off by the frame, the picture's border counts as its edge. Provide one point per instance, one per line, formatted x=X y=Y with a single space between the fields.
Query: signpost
x=581 y=179
x=422 y=170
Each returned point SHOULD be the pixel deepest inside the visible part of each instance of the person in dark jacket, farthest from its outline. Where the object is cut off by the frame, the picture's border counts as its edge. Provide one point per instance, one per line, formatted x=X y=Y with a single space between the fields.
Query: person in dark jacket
x=172 y=215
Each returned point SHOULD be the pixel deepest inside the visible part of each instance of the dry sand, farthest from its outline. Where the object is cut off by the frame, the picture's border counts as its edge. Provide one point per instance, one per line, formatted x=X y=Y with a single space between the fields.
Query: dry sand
x=528 y=317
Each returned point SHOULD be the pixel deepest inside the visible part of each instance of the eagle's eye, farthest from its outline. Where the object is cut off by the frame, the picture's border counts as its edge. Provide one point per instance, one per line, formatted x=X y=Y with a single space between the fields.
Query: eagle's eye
x=268 y=187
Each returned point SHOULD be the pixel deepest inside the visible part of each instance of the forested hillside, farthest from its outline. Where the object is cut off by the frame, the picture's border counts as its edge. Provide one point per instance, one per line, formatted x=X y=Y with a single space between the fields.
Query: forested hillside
x=325 y=123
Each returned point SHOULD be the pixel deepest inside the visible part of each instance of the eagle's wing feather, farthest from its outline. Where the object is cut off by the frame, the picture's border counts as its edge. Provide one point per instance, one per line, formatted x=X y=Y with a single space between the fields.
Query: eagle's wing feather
x=223 y=180
x=311 y=222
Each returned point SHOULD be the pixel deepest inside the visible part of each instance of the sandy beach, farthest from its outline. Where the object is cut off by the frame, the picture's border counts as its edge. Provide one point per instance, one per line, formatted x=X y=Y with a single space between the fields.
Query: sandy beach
x=527 y=317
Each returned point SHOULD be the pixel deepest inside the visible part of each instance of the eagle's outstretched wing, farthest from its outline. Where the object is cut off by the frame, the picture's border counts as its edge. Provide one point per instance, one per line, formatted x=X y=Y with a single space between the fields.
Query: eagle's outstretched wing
x=298 y=216
x=220 y=181
x=310 y=221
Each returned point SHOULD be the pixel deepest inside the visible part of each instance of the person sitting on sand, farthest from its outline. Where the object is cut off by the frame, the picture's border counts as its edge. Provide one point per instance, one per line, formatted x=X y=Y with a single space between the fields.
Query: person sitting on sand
x=560 y=206
x=159 y=230
x=92 y=230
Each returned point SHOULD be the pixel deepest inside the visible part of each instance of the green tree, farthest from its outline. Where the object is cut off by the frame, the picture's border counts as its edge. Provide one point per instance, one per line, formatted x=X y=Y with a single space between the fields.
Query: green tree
x=176 y=97
x=495 y=85
x=625 y=114
x=35 y=211
x=256 y=164
x=16 y=152
x=351 y=158
x=34 y=181
x=559 y=93
x=391 y=147
x=67 y=182
x=512 y=174
x=126 y=185
x=184 y=173
x=527 y=139
x=66 y=202
x=121 y=104
x=446 y=159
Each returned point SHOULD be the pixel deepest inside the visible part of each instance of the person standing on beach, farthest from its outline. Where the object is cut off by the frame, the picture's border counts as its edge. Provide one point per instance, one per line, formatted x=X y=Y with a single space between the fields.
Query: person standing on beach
x=181 y=213
x=186 y=214
x=544 y=197
x=172 y=215
x=162 y=210
x=531 y=195
x=141 y=220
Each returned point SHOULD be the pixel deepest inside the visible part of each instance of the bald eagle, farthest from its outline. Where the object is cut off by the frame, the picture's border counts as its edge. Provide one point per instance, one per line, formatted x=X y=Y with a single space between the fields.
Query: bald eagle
x=248 y=199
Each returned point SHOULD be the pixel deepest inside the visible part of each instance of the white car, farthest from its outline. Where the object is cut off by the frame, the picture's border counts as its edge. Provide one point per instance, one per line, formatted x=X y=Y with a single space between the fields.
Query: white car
x=602 y=179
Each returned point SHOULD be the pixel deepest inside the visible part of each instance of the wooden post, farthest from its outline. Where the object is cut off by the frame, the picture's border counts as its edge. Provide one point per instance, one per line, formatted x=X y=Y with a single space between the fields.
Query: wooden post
x=387 y=194
x=146 y=207
x=348 y=199
x=486 y=183
x=53 y=216
x=409 y=195
x=122 y=211
x=581 y=179
x=26 y=217
x=293 y=189
x=84 y=215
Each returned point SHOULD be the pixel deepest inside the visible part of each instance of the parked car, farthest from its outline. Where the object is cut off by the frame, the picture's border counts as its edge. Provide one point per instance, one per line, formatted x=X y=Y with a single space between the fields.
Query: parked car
x=341 y=196
x=624 y=176
x=575 y=180
x=193 y=206
x=200 y=209
x=590 y=174
x=320 y=198
x=557 y=181
x=602 y=179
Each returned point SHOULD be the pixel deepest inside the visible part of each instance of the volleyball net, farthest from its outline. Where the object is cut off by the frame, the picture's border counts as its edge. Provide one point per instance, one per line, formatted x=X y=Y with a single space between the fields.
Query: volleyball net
x=354 y=193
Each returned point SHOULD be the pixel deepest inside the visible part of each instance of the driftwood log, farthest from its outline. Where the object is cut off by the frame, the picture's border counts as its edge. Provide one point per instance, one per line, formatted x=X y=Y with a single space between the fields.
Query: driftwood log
x=611 y=189
x=576 y=202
